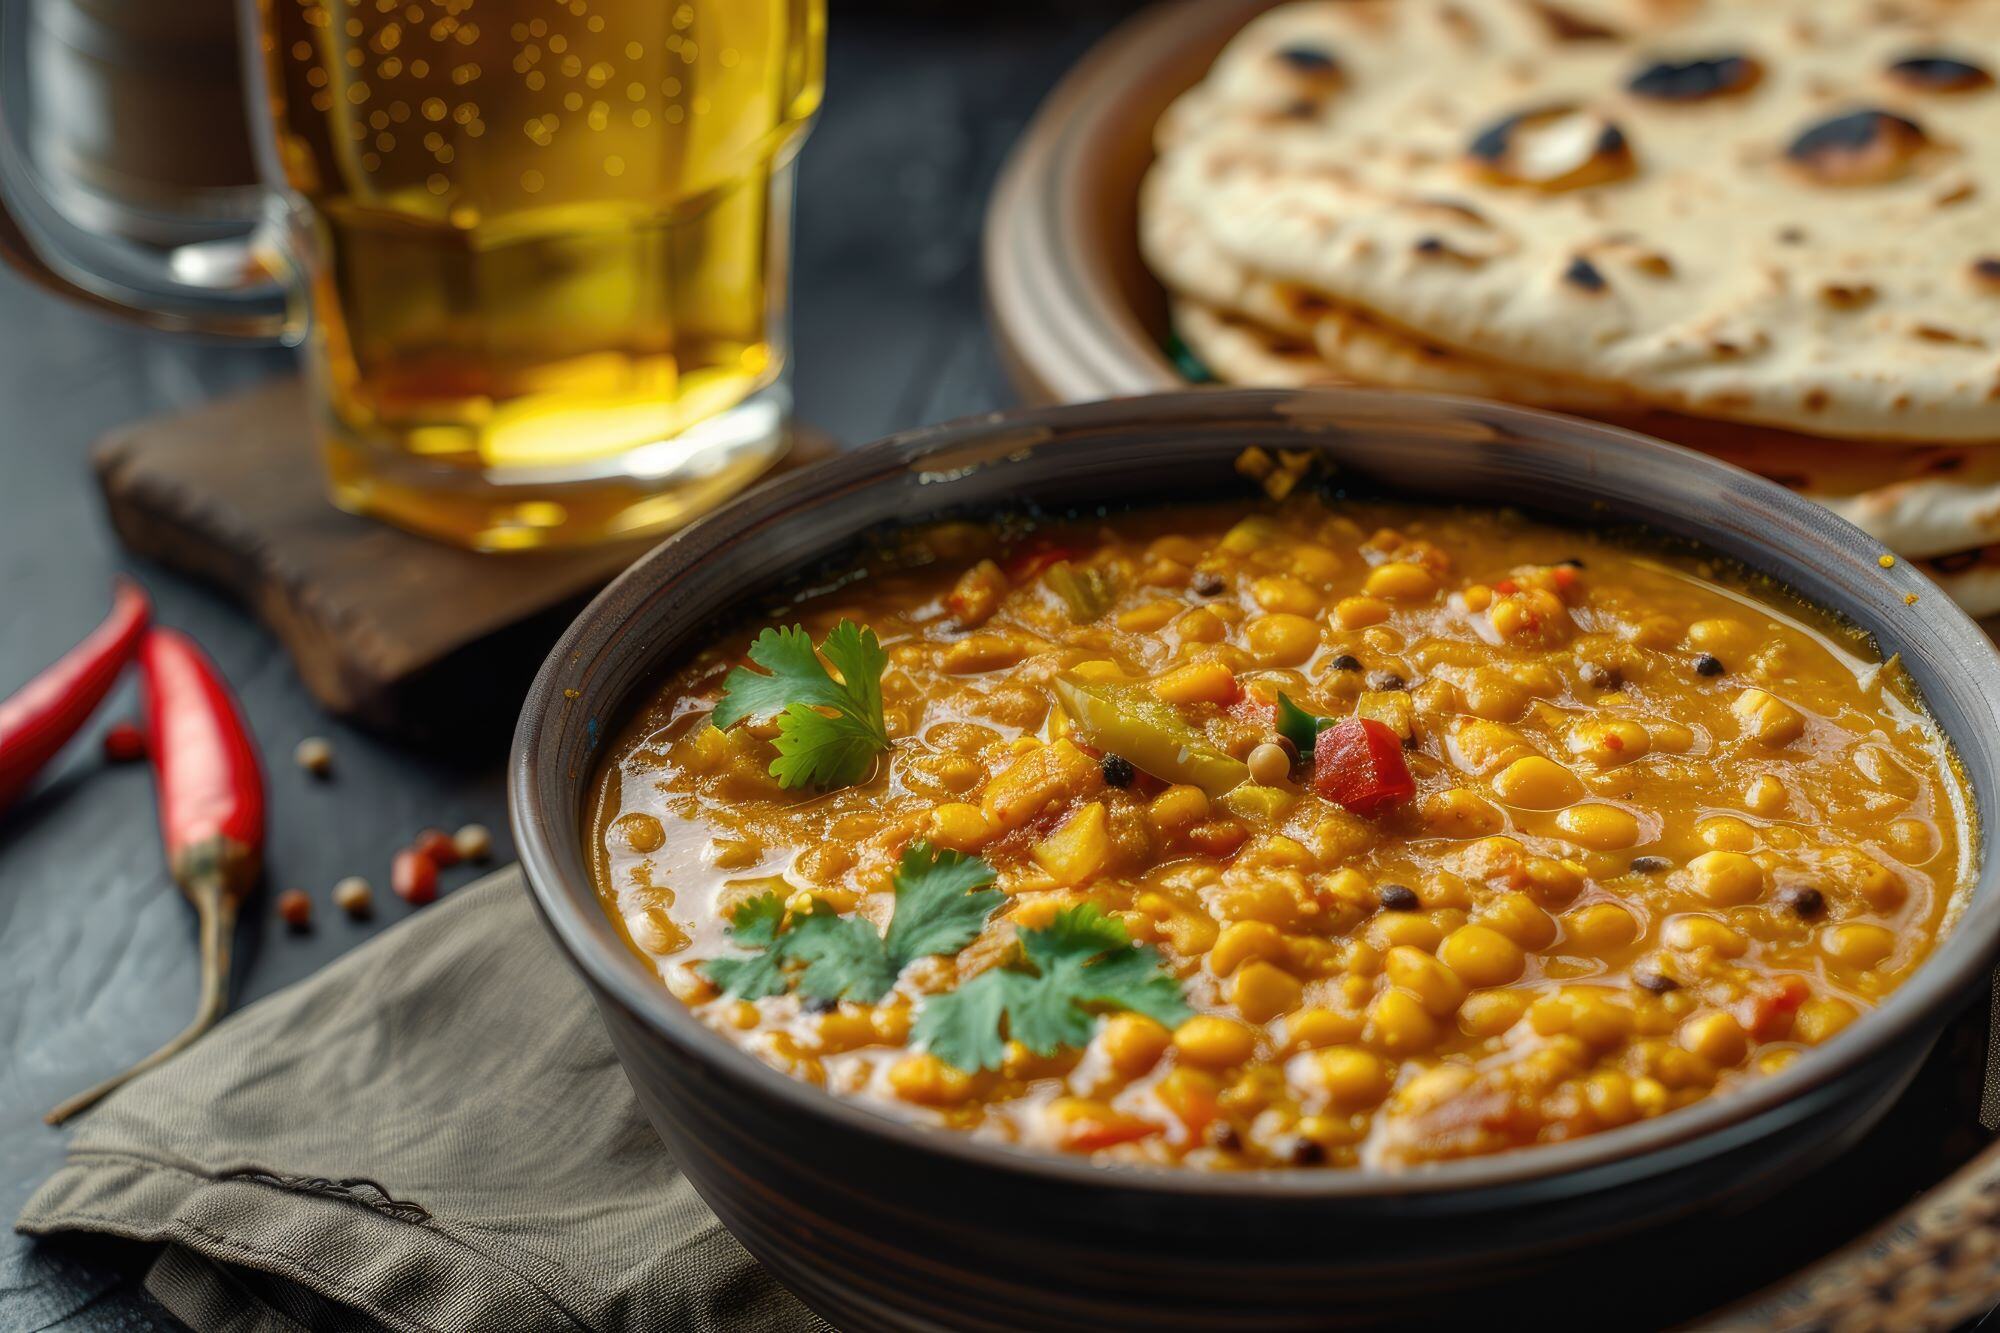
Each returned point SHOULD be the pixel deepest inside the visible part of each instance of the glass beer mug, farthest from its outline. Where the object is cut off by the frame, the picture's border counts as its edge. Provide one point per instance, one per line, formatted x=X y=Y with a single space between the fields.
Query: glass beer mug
x=537 y=250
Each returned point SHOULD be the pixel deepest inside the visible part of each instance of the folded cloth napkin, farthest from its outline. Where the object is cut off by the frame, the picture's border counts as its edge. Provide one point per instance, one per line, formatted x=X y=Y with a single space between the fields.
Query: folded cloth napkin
x=431 y=1134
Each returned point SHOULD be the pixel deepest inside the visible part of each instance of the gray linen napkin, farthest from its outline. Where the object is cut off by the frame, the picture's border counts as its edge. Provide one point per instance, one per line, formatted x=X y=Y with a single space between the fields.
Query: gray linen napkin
x=431 y=1134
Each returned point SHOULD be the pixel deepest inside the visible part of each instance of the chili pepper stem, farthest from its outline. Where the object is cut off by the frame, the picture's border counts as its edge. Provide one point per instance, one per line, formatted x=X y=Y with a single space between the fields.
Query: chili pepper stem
x=215 y=909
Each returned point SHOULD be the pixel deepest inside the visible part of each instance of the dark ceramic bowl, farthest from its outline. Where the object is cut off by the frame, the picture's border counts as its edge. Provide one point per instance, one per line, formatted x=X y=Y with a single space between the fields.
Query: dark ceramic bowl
x=879 y=1224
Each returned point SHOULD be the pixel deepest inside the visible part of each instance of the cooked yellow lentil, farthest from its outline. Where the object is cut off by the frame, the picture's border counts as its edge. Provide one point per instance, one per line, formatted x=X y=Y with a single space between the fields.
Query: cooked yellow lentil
x=1668 y=828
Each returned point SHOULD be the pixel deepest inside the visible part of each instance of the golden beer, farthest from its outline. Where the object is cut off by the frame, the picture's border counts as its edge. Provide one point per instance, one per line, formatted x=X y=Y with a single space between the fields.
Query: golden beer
x=545 y=243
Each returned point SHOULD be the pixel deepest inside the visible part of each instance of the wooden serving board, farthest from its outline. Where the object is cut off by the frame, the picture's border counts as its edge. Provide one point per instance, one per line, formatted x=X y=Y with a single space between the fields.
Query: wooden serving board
x=395 y=631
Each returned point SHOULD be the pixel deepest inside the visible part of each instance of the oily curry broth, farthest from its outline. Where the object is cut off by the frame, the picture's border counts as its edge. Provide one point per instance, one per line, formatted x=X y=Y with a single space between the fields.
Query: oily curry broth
x=1668 y=831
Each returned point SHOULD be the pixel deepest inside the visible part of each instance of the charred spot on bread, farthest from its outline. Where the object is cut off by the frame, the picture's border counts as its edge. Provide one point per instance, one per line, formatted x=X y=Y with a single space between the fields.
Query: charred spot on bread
x=1847 y=295
x=1306 y=61
x=1566 y=25
x=1986 y=272
x=1584 y=275
x=1432 y=246
x=1865 y=147
x=1933 y=72
x=1556 y=147
x=1696 y=80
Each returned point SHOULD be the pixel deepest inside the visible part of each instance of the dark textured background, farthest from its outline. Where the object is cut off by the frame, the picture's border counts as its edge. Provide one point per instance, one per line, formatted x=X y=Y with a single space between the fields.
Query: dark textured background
x=97 y=961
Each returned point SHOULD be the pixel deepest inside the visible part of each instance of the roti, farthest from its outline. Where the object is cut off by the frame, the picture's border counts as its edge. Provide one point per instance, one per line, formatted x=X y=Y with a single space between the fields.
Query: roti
x=1356 y=346
x=1917 y=501
x=1785 y=213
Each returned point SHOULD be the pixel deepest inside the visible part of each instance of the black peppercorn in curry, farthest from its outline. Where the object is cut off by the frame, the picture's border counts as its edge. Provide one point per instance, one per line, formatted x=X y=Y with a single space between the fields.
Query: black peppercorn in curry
x=1313 y=834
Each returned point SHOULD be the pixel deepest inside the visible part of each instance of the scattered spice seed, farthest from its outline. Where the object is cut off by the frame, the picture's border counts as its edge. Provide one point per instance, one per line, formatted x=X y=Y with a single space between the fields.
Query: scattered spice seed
x=1207 y=583
x=1302 y=1151
x=1650 y=865
x=1386 y=681
x=1398 y=898
x=414 y=877
x=1223 y=1135
x=1708 y=665
x=1658 y=983
x=1598 y=677
x=436 y=844
x=1118 y=771
x=295 y=907
x=315 y=755
x=1346 y=662
x=124 y=743
x=1805 y=901
x=474 y=843
x=819 y=1004
x=354 y=897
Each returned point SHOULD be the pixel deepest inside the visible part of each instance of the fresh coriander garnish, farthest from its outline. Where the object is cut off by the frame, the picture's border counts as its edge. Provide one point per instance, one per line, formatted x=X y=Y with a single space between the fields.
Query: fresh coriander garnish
x=1083 y=957
x=1299 y=727
x=829 y=731
x=941 y=903
x=753 y=925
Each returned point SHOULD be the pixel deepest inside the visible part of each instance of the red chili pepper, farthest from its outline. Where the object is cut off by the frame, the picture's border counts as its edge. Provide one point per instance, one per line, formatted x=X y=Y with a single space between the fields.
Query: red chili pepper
x=41 y=717
x=1358 y=764
x=210 y=791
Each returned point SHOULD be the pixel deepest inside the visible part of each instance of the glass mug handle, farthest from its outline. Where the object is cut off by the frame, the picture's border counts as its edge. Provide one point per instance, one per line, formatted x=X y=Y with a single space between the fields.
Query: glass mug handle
x=218 y=287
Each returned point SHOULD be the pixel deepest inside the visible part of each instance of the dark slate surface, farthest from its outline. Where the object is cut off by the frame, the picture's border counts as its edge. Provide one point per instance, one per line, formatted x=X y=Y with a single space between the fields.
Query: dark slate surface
x=96 y=949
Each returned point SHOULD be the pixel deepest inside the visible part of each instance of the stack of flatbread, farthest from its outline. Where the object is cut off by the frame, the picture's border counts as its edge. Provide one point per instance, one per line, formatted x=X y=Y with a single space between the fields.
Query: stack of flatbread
x=1769 y=229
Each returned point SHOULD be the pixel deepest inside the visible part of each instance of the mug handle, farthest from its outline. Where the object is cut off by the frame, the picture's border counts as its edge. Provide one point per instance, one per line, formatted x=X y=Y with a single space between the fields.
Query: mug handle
x=222 y=288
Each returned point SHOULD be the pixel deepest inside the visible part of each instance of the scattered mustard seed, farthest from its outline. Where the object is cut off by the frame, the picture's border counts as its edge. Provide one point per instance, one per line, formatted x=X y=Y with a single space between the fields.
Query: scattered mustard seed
x=315 y=755
x=353 y=896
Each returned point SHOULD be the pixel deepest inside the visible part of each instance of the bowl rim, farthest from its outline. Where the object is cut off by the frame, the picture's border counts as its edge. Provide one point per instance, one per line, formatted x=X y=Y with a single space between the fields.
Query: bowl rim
x=614 y=973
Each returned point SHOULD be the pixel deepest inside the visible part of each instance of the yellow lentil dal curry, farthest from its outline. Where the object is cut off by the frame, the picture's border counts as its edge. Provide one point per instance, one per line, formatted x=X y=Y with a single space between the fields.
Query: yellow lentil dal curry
x=1314 y=834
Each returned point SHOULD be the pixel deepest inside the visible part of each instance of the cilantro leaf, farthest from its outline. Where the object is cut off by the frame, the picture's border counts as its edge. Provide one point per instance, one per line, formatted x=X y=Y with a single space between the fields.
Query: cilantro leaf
x=843 y=956
x=794 y=671
x=941 y=905
x=829 y=731
x=962 y=1027
x=857 y=655
x=942 y=902
x=821 y=751
x=1082 y=957
x=754 y=925
x=1299 y=727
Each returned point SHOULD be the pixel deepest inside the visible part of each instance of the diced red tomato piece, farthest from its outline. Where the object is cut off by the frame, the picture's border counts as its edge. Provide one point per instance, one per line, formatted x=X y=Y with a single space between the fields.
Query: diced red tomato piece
x=1565 y=577
x=1358 y=765
x=1089 y=1126
x=1506 y=587
x=1767 y=1012
x=1257 y=711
